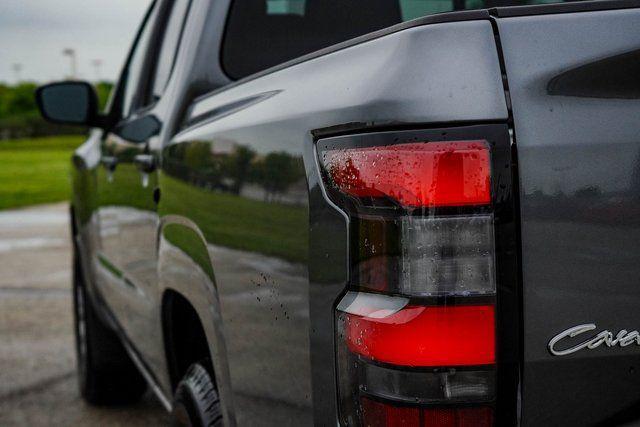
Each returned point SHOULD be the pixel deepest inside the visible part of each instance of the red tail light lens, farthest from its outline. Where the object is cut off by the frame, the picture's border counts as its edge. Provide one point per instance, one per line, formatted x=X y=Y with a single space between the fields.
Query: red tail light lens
x=426 y=336
x=416 y=174
x=461 y=417
x=379 y=414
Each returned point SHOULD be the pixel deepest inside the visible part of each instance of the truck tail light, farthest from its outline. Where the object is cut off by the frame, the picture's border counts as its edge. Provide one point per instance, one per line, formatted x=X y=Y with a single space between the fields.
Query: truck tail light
x=416 y=330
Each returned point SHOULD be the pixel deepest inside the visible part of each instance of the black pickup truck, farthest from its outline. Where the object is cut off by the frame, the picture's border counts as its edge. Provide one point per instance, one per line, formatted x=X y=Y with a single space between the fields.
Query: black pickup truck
x=364 y=213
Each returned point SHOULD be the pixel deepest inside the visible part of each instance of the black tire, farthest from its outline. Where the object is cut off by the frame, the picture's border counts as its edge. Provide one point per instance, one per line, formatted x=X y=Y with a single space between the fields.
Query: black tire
x=196 y=402
x=106 y=374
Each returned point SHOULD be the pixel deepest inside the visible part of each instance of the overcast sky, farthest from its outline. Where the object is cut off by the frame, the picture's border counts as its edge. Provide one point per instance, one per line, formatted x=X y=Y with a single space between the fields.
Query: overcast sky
x=33 y=33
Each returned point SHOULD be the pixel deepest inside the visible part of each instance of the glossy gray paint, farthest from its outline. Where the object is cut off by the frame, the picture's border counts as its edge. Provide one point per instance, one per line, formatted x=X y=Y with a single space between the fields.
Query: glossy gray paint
x=456 y=78
x=579 y=166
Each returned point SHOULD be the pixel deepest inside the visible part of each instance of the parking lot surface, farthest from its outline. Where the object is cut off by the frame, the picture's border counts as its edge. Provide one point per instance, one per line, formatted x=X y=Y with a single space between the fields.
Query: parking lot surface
x=38 y=384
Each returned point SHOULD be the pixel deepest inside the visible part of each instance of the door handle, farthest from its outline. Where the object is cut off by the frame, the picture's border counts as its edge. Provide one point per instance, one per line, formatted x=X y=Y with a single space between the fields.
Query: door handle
x=109 y=162
x=145 y=163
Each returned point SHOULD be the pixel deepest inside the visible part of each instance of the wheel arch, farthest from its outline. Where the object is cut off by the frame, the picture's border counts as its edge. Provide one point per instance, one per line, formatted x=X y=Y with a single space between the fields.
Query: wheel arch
x=185 y=340
x=189 y=301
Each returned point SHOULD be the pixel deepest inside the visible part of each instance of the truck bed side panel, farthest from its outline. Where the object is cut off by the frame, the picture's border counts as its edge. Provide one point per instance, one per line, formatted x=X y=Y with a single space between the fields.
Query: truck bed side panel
x=575 y=92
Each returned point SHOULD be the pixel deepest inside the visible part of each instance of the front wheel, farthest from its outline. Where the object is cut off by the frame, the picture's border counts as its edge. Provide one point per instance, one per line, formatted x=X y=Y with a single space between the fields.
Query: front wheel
x=196 y=401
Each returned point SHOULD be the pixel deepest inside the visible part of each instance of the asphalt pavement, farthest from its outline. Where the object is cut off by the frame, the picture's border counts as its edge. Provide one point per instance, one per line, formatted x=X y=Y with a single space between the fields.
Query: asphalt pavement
x=38 y=383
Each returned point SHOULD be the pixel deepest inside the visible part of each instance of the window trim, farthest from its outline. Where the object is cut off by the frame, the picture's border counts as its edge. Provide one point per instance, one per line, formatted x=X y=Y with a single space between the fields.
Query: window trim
x=140 y=98
x=141 y=101
x=154 y=68
x=115 y=104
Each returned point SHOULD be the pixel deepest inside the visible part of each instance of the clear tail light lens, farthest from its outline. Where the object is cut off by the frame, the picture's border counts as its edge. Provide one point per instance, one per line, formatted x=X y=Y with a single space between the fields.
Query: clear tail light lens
x=450 y=255
x=416 y=332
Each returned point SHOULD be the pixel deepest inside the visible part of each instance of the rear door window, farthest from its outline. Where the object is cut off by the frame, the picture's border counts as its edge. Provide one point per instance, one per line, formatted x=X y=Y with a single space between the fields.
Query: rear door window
x=263 y=33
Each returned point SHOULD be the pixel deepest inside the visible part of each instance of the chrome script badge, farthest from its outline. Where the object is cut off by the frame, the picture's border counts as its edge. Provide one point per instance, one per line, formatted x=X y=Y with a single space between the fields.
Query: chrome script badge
x=622 y=338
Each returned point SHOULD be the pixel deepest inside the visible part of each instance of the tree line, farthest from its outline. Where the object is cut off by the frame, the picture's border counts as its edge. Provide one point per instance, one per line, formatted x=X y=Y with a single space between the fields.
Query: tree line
x=229 y=171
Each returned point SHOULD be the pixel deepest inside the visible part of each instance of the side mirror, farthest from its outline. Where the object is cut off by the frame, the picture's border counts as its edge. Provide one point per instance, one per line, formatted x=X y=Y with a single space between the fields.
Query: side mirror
x=71 y=103
x=140 y=129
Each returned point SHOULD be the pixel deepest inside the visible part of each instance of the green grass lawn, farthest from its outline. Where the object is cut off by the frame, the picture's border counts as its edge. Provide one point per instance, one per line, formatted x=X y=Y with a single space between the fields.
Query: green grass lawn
x=35 y=170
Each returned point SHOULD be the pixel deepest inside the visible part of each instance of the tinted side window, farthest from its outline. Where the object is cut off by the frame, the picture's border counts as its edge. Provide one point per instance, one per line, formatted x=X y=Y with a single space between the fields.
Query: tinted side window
x=169 y=47
x=264 y=33
x=135 y=69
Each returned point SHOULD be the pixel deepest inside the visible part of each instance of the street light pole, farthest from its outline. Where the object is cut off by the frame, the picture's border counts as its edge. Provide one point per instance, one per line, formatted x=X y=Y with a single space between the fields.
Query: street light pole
x=71 y=53
x=97 y=63
x=17 y=69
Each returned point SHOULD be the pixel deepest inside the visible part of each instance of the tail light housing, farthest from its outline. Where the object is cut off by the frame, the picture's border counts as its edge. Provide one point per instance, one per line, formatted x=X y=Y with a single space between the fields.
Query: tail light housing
x=417 y=331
